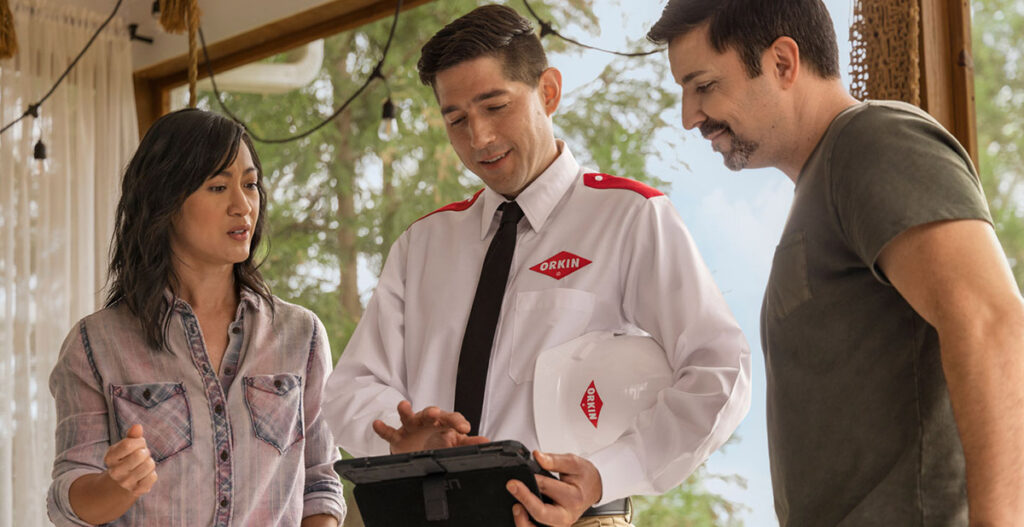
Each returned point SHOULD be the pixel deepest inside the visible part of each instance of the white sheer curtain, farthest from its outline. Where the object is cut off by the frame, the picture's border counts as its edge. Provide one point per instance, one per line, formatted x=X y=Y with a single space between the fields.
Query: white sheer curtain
x=55 y=221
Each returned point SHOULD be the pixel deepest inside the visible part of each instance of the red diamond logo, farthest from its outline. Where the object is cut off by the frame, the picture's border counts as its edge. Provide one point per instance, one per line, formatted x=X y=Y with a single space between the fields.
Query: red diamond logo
x=591 y=404
x=561 y=265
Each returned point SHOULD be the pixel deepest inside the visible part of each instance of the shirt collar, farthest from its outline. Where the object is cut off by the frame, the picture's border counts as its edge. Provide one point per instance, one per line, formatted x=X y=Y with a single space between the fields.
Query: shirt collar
x=540 y=196
x=247 y=298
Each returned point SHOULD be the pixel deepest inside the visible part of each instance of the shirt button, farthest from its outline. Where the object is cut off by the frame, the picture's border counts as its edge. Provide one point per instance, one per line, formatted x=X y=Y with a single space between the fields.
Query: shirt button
x=277 y=384
x=224 y=502
x=219 y=409
x=236 y=330
x=227 y=371
x=223 y=455
x=147 y=394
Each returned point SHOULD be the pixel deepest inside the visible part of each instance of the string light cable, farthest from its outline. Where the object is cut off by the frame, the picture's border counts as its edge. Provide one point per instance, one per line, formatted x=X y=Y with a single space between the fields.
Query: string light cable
x=546 y=29
x=376 y=74
x=33 y=109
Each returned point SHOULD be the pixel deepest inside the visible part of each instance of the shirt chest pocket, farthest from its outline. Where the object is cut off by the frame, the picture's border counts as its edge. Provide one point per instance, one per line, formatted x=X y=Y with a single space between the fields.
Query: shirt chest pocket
x=162 y=410
x=544 y=319
x=788 y=286
x=275 y=407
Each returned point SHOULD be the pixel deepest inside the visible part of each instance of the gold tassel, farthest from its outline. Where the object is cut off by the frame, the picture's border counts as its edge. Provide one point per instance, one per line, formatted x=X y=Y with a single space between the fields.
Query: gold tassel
x=178 y=16
x=8 y=40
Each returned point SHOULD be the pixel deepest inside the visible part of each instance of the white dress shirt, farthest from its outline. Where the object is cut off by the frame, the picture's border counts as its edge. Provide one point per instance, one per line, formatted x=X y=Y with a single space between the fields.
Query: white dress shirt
x=644 y=275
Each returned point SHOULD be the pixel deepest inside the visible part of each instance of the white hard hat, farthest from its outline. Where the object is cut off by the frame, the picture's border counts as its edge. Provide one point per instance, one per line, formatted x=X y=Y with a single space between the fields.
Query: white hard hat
x=588 y=391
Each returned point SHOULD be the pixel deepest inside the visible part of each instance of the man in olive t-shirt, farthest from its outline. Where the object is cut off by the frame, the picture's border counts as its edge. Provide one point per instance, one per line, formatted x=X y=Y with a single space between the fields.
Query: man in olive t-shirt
x=859 y=414
x=892 y=326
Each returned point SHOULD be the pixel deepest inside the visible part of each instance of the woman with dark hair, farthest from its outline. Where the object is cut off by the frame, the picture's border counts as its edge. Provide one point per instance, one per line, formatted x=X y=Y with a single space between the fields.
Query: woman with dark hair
x=193 y=371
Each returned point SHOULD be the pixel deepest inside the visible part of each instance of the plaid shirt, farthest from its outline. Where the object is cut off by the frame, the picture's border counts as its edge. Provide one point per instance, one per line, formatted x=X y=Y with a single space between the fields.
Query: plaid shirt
x=243 y=446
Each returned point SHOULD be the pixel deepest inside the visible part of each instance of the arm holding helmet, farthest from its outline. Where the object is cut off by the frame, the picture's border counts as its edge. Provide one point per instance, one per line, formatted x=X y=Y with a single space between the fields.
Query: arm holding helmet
x=669 y=293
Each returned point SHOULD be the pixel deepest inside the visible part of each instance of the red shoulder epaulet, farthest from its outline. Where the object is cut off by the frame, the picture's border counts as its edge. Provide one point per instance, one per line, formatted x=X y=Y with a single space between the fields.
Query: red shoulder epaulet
x=457 y=206
x=603 y=181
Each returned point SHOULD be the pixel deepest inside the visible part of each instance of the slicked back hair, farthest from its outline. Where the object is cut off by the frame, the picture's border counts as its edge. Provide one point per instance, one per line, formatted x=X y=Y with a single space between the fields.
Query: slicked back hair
x=487 y=31
x=177 y=155
x=750 y=27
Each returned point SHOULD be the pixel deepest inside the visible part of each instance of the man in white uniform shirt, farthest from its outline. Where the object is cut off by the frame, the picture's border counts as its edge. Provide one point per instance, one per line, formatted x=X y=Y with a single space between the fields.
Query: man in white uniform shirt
x=592 y=252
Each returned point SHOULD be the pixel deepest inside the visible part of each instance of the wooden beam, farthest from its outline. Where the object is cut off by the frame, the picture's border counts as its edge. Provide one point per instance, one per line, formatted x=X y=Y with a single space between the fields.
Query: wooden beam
x=947 y=69
x=276 y=37
x=150 y=103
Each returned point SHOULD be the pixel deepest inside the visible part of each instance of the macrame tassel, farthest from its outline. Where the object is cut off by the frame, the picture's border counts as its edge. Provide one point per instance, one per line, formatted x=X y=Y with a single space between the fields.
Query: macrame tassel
x=174 y=14
x=8 y=40
x=178 y=16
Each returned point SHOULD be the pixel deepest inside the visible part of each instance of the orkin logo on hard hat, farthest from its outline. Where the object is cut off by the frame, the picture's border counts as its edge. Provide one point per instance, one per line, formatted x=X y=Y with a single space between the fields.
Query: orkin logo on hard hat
x=591 y=404
x=588 y=391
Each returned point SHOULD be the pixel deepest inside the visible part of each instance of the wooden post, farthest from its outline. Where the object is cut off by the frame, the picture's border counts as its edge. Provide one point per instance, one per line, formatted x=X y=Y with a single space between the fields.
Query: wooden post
x=150 y=103
x=947 y=69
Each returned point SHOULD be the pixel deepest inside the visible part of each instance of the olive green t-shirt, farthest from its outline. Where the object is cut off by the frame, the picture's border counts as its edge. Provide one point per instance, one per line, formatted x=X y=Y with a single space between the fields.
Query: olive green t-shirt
x=860 y=426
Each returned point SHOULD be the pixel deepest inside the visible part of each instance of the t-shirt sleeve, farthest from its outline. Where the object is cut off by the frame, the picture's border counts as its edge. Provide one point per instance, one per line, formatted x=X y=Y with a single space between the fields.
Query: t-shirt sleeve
x=895 y=169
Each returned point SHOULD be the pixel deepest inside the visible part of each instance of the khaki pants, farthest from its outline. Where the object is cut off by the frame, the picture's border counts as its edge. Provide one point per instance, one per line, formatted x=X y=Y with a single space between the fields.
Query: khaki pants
x=619 y=520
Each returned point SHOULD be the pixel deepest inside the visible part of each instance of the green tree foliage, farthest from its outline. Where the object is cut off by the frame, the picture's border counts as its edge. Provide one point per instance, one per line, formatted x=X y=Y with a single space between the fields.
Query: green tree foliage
x=998 y=43
x=340 y=197
x=612 y=120
x=690 y=505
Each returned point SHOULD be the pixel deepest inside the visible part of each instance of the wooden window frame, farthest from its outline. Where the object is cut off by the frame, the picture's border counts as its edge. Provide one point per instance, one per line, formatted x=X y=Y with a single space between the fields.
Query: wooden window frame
x=153 y=84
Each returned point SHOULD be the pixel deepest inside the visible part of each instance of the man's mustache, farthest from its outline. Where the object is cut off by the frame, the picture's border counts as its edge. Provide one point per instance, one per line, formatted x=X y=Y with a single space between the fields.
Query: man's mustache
x=710 y=126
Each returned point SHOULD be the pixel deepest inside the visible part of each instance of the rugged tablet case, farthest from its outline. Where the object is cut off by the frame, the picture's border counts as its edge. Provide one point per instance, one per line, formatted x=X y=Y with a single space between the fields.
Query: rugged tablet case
x=451 y=487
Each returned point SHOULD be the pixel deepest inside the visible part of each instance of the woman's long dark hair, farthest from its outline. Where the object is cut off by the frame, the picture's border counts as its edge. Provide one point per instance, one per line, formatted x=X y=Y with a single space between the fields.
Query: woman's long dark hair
x=178 y=154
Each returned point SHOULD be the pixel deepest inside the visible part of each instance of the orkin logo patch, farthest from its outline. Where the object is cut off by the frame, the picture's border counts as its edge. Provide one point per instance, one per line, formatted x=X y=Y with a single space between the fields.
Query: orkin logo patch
x=591 y=404
x=561 y=265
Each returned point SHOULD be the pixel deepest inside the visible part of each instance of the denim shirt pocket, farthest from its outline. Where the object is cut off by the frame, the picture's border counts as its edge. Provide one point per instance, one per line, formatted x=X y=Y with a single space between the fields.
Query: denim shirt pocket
x=275 y=406
x=162 y=410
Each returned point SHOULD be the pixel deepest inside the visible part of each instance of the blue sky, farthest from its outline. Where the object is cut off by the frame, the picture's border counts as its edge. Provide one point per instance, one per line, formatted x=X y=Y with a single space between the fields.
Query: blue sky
x=735 y=218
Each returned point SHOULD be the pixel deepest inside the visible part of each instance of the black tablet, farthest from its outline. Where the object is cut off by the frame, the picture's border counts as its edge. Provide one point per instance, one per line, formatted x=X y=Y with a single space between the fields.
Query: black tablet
x=450 y=487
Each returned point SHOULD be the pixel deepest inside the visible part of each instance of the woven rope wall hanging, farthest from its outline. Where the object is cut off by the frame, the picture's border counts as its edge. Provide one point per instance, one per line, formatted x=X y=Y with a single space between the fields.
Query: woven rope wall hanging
x=8 y=41
x=885 y=51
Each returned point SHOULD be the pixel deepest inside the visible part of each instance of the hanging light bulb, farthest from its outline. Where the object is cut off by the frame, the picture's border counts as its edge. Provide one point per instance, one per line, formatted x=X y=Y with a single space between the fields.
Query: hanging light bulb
x=39 y=154
x=388 y=128
x=39 y=150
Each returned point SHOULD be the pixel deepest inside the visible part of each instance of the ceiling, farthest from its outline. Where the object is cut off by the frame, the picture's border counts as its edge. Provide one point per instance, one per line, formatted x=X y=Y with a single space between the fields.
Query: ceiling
x=220 y=19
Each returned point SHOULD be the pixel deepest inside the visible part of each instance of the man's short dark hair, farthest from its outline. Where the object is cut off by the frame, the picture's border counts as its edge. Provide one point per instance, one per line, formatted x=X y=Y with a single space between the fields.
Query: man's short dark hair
x=487 y=31
x=750 y=27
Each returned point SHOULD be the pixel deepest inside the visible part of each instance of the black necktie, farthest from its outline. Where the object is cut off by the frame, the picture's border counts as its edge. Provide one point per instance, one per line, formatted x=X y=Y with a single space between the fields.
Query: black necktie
x=483 y=318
